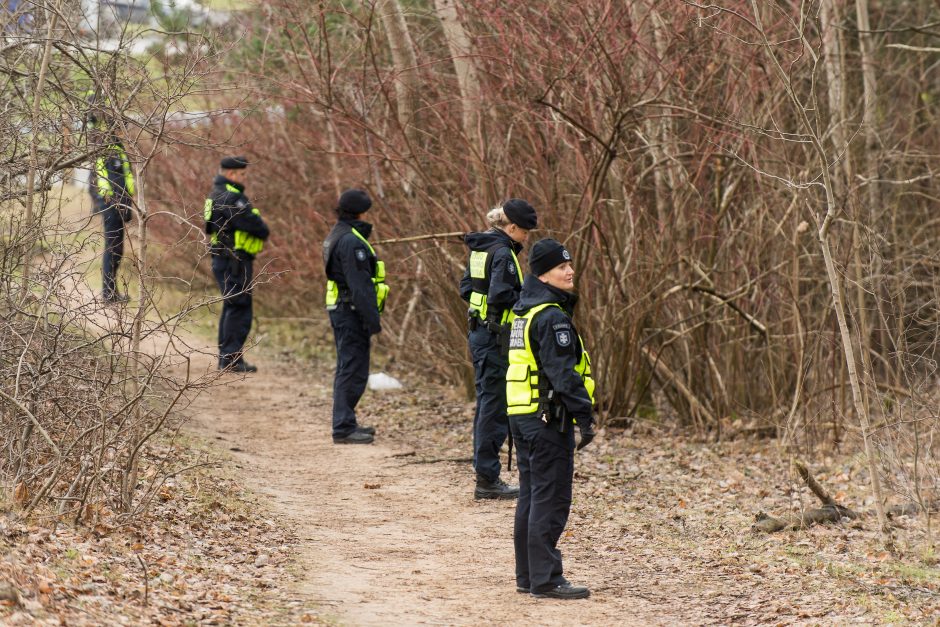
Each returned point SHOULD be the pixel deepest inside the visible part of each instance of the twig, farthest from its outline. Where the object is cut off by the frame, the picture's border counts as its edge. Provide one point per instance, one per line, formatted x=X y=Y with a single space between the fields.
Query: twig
x=146 y=578
x=418 y=238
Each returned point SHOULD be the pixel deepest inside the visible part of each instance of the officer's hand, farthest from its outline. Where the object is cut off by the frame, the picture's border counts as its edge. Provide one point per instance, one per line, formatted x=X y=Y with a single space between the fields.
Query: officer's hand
x=586 y=427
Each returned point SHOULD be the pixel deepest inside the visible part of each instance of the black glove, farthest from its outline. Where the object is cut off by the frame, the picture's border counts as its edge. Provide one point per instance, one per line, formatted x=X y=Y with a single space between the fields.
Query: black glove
x=586 y=427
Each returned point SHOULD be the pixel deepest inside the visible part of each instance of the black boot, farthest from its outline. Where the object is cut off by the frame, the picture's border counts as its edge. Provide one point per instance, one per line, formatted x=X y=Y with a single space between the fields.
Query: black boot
x=243 y=366
x=498 y=489
x=356 y=437
x=564 y=591
x=365 y=429
x=236 y=365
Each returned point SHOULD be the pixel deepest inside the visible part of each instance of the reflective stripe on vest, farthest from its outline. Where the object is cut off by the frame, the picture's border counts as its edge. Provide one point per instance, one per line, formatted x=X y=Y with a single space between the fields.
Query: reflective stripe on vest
x=525 y=394
x=207 y=214
x=480 y=283
x=378 y=279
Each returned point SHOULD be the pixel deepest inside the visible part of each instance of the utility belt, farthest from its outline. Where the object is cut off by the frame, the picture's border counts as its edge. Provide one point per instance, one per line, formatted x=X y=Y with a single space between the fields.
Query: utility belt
x=501 y=331
x=343 y=298
x=555 y=415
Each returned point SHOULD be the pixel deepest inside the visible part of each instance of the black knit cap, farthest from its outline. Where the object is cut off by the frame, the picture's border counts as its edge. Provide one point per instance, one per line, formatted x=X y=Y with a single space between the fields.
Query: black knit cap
x=546 y=254
x=234 y=163
x=521 y=213
x=354 y=201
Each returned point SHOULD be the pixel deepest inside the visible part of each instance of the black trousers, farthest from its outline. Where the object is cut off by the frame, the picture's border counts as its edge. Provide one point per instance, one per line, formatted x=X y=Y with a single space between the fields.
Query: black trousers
x=490 y=424
x=233 y=277
x=353 y=344
x=113 y=220
x=546 y=471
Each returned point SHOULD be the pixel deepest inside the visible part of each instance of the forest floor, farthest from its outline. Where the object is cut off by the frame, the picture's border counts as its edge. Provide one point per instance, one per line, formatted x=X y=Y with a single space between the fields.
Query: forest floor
x=277 y=525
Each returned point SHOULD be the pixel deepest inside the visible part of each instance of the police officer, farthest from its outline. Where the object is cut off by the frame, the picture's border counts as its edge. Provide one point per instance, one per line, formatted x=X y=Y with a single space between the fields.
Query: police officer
x=549 y=391
x=355 y=297
x=491 y=286
x=237 y=233
x=112 y=191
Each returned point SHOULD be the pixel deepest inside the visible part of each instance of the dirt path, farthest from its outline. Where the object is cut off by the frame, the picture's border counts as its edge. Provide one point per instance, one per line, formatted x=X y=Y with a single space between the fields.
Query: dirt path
x=387 y=541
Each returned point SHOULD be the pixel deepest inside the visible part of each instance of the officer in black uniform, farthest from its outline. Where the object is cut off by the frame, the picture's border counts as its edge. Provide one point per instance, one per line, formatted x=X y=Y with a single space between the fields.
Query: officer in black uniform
x=355 y=298
x=237 y=234
x=491 y=286
x=111 y=195
x=549 y=391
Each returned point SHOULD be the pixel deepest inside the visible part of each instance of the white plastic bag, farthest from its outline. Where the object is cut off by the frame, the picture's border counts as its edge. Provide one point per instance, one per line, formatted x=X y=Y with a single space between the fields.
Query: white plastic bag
x=382 y=381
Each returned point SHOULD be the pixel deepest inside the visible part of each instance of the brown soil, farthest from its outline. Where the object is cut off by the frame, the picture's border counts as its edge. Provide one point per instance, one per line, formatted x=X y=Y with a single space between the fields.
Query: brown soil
x=386 y=541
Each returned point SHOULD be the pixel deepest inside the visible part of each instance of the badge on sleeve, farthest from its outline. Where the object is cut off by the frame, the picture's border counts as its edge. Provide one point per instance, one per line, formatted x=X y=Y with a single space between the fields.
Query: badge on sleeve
x=361 y=254
x=563 y=338
x=512 y=269
x=241 y=203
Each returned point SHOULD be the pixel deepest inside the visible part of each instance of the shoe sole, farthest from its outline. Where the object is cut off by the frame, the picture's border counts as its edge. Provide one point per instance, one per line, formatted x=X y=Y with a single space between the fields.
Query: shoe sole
x=353 y=441
x=542 y=595
x=495 y=497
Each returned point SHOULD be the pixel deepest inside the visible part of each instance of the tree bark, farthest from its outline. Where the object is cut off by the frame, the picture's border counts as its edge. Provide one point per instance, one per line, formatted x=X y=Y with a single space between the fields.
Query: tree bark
x=407 y=84
x=34 y=147
x=468 y=81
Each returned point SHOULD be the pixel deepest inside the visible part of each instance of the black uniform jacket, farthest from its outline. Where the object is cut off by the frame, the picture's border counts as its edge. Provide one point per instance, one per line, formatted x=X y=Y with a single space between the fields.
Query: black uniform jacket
x=231 y=211
x=554 y=341
x=505 y=282
x=352 y=266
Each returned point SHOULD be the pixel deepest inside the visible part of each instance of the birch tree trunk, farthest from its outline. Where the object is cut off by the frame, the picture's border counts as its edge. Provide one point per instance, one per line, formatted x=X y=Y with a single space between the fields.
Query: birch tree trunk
x=468 y=81
x=407 y=84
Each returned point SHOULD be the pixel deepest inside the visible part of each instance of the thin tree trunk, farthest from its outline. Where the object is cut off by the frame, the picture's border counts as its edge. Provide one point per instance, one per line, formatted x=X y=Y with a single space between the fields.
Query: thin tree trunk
x=848 y=345
x=34 y=146
x=143 y=302
x=468 y=81
x=407 y=86
x=870 y=119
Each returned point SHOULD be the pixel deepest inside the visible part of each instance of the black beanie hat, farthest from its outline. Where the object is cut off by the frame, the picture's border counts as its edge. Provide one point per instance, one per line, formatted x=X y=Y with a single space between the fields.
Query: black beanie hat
x=234 y=163
x=354 y=201
x=520 y=213
x=546 y=254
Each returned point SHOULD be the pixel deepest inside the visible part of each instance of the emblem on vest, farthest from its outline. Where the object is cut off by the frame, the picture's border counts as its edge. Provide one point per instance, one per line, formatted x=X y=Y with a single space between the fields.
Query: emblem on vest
x=563 y=338
x=512 y=268
x=361 y=254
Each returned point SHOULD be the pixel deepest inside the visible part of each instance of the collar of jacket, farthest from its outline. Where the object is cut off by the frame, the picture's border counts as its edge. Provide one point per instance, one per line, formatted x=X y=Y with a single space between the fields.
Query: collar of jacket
x=485 y=240
x=535 y=292
x=364 y=228
x=221 y=181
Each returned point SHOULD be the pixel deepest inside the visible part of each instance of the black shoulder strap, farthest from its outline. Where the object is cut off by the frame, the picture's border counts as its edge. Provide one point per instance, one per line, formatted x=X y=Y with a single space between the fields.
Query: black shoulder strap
x=341 y=229
x=490 y=253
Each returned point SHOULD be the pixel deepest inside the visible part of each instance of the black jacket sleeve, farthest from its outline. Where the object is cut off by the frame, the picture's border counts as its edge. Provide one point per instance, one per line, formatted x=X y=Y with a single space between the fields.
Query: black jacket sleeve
x=465 y=285
x=243 y=219
x=505 y=282
x=356 y=266
x=558 y=351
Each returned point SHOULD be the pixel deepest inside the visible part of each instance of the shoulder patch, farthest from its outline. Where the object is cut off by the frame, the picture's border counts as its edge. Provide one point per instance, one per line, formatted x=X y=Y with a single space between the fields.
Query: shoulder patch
x=561 y=325
x=241 y=203
x=512 y=268
x=361 y=254
x=563 y=338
